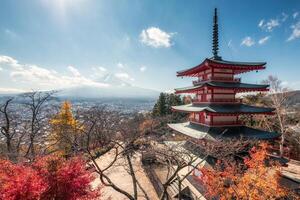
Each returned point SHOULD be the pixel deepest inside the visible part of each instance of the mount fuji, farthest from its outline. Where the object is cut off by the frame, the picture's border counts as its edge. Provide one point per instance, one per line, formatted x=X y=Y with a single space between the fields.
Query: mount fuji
x=113 y=87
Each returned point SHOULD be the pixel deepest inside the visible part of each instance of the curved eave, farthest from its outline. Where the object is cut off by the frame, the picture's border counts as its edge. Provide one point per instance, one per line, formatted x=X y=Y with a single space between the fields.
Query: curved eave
x=193 y=70
x=238 y=67
x=235 y=63
x=186 y=129
x=212 y=133
x=238 y=87
x=238 y=90
x=223 y=109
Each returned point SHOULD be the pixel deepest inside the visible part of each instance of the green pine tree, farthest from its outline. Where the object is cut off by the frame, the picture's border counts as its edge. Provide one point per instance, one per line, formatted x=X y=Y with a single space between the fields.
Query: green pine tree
x=164 y=104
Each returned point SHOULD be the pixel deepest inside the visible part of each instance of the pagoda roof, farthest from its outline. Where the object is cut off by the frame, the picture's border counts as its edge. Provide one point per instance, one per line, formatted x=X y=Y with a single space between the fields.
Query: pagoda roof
x=223 y=108
x=238 y=67
x=199 y=131
x=236 y=63
x=227 y=85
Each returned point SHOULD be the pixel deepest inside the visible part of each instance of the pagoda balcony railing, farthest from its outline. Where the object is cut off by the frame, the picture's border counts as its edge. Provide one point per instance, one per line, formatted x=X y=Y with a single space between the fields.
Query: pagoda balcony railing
x=200 y=101
x=223 y=123
x=225 y=79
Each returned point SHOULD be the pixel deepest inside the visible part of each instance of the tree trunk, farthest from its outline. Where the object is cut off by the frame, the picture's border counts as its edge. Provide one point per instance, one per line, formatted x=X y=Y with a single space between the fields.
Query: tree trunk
x=282 y=140
x=8 y=144
x=281 y=148
x=179 y=189
x=9 y=150
x=134 y=181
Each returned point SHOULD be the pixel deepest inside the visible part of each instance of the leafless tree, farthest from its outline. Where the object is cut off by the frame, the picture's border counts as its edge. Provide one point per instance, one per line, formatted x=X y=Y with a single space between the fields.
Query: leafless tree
x=12 y=128
x=107 y=131
x=180 y=159
x=6 y=128
x=175 y=159
x=279 y=96
x=35 y=103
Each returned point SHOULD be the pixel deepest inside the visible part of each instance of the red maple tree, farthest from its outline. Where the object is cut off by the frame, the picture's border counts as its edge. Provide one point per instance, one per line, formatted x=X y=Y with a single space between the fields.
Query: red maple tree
x=20 y=182
x=47 y=178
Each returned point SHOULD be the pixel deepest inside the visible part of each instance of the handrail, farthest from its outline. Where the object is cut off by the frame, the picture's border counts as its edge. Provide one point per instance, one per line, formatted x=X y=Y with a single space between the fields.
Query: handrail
x=238 y=123
x=217 y=79
x=195 y=100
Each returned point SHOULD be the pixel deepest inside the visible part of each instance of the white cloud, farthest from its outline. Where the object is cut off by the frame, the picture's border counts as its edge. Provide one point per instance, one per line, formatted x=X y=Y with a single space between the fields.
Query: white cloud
x=263 y=40
x=124 y=76
x=36 y=77
x=1 y=69
x=269 y=25
x=261 y=23
x=156 y=37
x=284 y=17
x=248 y=41
x=102 y=69
x=9 y=62
x=74 y=71
x=295 y=32
x=120 y=65
x=98 y=72
x=295 y=15
x=231 y=45
x=293 y=85
x=11 y=90
x=143 y=68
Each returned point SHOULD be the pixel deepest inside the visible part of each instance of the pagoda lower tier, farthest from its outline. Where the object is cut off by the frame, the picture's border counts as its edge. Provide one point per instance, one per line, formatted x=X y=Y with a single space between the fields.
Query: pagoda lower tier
x=224 y=109
x=199 y=131
x=220 y=114
x=208 y=120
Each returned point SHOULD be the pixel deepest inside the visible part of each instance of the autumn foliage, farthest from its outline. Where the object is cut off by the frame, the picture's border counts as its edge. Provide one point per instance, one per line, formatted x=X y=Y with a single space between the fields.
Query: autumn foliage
x=20 y=182
x=65 y=131
x=252 y=179
x=47 y=178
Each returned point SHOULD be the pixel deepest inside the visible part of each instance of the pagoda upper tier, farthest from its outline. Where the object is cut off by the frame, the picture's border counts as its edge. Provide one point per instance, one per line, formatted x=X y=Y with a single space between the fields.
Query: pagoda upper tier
x=214 y=66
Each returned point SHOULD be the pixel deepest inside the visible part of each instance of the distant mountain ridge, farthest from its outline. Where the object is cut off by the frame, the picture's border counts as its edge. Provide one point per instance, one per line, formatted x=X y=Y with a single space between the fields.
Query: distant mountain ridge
x=116 y=88
x=294 y=97
x=109 y=86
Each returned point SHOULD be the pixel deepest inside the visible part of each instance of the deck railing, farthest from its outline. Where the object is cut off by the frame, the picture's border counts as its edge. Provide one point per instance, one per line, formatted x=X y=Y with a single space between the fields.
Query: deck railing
x=195 y=100
x=224 y=123
x=225 y=79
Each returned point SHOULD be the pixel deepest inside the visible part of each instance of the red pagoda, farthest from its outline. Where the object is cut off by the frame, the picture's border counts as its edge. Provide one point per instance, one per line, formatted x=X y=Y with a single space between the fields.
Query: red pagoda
x=215 y=110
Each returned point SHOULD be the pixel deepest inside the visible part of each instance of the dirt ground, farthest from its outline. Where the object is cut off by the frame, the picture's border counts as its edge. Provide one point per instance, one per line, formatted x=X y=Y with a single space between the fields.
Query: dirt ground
x=119 y=175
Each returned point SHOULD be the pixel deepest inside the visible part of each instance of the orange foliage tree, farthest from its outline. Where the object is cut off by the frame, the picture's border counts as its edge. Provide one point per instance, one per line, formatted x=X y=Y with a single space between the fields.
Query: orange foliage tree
x=255 y=178
x=65 y=130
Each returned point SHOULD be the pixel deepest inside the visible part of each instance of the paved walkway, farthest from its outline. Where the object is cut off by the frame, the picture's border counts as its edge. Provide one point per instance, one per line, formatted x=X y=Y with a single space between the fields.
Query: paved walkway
x=119 y=175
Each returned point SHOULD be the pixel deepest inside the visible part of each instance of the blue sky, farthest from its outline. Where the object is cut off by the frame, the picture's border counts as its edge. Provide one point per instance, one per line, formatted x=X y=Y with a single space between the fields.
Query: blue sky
x=50 y=44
